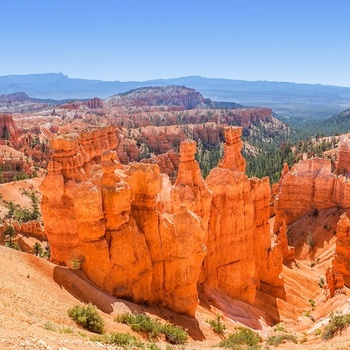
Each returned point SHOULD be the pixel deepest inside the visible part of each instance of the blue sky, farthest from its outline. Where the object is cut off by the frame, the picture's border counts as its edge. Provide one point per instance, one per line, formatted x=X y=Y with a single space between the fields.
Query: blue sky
x=303 y=41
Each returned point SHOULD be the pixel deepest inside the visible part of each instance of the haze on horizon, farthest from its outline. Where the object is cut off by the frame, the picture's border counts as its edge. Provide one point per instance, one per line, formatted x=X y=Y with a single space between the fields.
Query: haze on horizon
x=293 y=41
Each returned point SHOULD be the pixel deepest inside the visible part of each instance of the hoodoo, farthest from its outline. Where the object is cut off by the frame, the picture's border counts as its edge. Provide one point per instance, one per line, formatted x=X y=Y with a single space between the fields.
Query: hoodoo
x=110 y=220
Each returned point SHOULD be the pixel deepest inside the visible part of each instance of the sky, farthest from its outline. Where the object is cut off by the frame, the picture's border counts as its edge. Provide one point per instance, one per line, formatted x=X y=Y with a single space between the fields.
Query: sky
x=302 y=41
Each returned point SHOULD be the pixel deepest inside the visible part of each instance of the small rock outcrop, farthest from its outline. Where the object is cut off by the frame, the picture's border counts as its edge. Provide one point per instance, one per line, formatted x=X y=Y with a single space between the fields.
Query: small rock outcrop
x=95 y=103
x=233 y=159
x=8 y=128
x=335 y=283
x=288 y=252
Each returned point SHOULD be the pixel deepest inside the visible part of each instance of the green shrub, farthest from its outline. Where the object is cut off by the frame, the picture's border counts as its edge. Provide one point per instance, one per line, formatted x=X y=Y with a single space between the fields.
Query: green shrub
x=307 y=313
x=66 y=330
x=321 y=282
x=337 y=324
x=126 y=317
x=310 y=241
x=217 y=326
x=144 y=324
x=153 y=328
x=141 y=323
x=278 y=339
x=279 y=328
x=49 y=326
x=37 y=249
x=87 y=317
x=243 y=338
x=312 y=303
x=174 y=334
x=124 y=340
x=303 y=339
x=318 y=331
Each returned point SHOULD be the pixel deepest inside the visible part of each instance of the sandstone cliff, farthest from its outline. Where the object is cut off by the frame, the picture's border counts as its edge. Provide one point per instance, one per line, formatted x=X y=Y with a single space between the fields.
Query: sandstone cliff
x=339 y=274
x=310 y=185
x=240 y=256
x=105 y=217
x=138 y=237
x=343 y=164
x=190 y=188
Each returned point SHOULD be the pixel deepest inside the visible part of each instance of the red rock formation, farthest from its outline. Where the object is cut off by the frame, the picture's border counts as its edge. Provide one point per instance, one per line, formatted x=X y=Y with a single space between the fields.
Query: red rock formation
x=54 y=128
x=246 y=116
x=341 y=260
x=343 y=164
x=310 y=185
x=95 y=103
x=233 y=158
x=335 y=283
x=106 y=217
x=31 y=228
x=190 y=189
x=128 y=151
x=134 y=240
x=8 y=128
x=209 y=134
x=162 y=139
x=288 y=252
x=240 y=257
x=168 y=163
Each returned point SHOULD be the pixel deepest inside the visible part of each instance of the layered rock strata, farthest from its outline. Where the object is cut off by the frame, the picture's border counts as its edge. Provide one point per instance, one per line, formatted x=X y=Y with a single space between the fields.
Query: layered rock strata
x=343 y=164
x=233 y=159
x=240 y=256
x=341 y=261
x=104 y=217
x=138 y=237
x=307 y=186
x=190 y=188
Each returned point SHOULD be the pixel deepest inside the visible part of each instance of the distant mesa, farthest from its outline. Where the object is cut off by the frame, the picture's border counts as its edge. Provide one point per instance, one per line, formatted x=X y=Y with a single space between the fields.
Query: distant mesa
x=180 y=96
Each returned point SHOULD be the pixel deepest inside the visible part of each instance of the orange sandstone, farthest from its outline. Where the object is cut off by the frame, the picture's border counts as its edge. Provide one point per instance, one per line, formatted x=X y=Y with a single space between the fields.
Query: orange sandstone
x=138 y=237
x=105 y=216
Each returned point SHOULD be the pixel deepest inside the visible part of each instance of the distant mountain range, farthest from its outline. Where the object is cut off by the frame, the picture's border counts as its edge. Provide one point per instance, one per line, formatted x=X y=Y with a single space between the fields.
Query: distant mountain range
x=287 y=99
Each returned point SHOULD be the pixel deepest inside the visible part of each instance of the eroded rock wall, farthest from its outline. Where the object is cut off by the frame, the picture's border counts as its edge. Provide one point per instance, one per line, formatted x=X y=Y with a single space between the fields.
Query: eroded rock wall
x=307 y=186
x=138 y=237
x=105 y=217
x=240 y=256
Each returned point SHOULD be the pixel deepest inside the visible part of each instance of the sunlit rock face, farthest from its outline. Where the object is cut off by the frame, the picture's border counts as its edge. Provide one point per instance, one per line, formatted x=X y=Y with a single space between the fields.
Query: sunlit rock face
x=341 y=260
x=343 y=164
x=240 y=256
x=105 y=217
x=233 y=159
x=307 y=186
x=138 y=237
